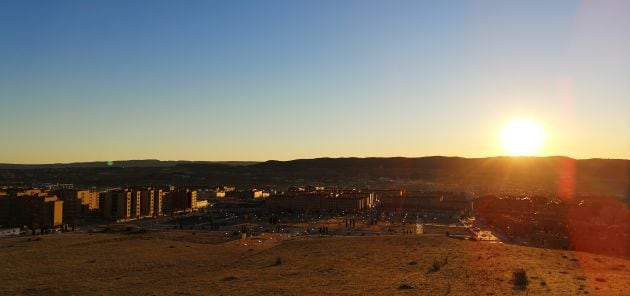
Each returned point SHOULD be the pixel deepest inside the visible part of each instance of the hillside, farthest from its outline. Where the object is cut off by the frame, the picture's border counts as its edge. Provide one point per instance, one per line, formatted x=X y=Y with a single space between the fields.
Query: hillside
x=184 y=263
x=535 y=174
x=143 y=163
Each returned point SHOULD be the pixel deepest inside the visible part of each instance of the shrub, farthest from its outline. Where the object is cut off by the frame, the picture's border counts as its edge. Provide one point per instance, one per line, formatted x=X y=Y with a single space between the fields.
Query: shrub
x=435 y=266
x=519 y=277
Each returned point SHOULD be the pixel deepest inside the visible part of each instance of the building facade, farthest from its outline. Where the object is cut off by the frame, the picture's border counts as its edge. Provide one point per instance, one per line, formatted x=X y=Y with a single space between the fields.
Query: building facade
x=117 y=204
x=302 y=201
x=34 y=209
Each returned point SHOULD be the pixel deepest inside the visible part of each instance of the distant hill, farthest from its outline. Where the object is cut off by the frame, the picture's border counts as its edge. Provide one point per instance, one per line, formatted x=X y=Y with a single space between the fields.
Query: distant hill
x=143 y=163
x=556 y=173
x=561 y=175
x=439 y=162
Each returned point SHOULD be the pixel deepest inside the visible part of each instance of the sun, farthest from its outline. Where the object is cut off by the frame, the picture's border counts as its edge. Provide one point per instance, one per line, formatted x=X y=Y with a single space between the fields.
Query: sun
x=522 y=138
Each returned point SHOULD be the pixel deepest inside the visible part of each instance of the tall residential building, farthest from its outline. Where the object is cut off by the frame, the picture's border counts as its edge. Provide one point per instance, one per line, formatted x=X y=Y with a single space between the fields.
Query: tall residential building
x=116 y=204
x=181 y=200
x=158 y=202
x=135 y=203
x=146 y=203
x=77 y=203
x=35 y=211
x=132 y=203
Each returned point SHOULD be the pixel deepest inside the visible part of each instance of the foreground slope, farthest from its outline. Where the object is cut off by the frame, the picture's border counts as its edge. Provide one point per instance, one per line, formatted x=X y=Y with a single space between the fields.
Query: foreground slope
x=184 y=263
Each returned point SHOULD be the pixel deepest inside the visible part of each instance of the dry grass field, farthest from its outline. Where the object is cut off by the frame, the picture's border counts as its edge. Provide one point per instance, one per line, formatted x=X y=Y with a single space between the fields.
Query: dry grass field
x=183 y=263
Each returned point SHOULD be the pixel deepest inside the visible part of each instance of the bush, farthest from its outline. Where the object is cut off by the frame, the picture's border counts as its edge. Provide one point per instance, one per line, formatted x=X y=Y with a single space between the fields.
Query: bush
x=519 y=277
x=435 y=266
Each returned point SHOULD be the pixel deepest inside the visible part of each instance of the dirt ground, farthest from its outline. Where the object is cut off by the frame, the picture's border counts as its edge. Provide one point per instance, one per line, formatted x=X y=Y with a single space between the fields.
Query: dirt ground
x=202 y=263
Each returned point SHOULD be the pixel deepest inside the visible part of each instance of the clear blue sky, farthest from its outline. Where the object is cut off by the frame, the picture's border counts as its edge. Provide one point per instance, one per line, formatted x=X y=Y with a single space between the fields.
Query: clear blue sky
x=257 y=80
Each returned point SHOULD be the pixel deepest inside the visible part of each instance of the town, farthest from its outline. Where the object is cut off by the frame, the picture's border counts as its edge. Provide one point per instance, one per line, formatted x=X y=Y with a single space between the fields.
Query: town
x=314 y=147
x=584 y=222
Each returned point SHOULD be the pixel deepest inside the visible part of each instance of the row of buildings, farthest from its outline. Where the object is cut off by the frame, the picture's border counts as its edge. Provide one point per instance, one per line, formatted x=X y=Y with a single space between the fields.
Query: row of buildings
x=432 y=203
x=33 y=207
x=322 y=201
x=230 y=192
x=447 y=204
x=51 y=207
x=136 y=203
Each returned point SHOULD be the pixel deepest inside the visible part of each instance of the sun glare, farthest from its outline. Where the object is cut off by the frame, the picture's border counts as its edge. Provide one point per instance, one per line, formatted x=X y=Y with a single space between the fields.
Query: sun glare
x=522 y=138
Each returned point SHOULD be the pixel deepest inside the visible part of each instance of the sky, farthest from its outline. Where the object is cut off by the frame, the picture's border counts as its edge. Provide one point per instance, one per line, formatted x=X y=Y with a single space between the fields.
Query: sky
x=259 y=80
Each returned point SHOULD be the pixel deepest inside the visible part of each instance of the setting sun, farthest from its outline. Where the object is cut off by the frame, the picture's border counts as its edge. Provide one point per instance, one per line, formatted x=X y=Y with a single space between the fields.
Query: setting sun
x=522 y=138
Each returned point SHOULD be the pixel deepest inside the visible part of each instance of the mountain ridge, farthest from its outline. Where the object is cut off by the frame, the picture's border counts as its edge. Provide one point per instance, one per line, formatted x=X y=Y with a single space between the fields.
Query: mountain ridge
x=167 y=163
x=557 y=175
x=120 y=163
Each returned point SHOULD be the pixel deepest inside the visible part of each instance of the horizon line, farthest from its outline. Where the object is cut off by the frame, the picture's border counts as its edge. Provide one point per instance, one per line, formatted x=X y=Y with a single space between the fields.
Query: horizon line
x=313 y=158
